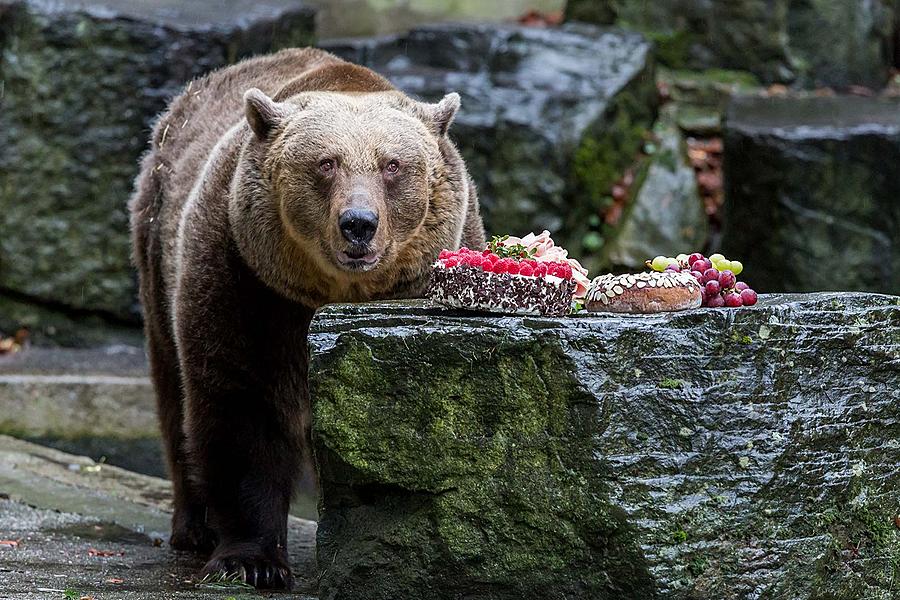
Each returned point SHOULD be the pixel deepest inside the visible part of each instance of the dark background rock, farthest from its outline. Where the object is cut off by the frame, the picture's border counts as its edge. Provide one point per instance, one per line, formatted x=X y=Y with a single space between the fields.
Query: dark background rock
x=550 y=118
x=665 y=215
x=706 y=454
x=806 y=42
x=811 y=191
x=82 y=84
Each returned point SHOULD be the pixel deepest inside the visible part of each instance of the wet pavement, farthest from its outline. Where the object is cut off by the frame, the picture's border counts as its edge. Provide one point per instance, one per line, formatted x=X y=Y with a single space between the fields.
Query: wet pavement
x=74 y=528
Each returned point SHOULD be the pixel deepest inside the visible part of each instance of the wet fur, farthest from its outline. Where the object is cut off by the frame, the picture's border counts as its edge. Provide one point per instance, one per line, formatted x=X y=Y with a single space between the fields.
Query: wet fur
x=228 y=296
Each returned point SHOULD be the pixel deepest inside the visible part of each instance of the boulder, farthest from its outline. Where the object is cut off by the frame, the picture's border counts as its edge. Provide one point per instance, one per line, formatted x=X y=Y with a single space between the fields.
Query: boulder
x=811 y=192
x=666 y=215
x=713 y=453
x=550 y=118
x=82 y=84
x=807 y=42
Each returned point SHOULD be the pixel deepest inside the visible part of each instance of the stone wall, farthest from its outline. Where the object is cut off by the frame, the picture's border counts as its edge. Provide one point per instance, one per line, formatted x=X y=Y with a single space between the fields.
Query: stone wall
x=82 y=84
x=808 y=42
x=706 y=454
x=812 y=192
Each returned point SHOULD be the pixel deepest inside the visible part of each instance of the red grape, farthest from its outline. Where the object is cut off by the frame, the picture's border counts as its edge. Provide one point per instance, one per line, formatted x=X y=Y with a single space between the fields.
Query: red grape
x=674 y=268
x=697 y=275
x=715 y=301
x=702 y=265
x=695 y=257
x=727 y=279
x=748 y=296
x=712 y=287
x=710 y=274
x=733 y=300
x=741 y=286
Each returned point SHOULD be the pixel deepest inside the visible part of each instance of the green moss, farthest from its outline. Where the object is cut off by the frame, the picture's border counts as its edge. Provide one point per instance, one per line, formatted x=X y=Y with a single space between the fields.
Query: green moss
x=483 y=462
x=671 y=384
x=672 y=48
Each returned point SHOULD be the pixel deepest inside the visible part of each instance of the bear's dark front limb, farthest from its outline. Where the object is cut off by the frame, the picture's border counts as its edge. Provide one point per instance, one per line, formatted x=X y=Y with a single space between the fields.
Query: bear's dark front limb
x=242 y=350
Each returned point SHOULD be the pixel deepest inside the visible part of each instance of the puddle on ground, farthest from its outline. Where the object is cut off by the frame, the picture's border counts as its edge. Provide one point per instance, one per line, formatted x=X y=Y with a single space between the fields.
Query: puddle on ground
x=105 y=532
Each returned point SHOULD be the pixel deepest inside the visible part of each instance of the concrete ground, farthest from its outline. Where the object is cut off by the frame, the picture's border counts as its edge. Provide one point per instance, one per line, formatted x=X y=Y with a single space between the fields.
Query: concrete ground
x=74 y=528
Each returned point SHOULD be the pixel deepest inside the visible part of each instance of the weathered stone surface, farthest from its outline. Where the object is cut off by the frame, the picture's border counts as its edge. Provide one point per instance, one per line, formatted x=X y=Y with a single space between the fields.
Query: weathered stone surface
x=701 y=98
x=808 y=42
x=59 y=506
x=811 y=193
x=82 y=83
x=550 y=118
x=666 y=215
x=361 y=18
x=706 y=454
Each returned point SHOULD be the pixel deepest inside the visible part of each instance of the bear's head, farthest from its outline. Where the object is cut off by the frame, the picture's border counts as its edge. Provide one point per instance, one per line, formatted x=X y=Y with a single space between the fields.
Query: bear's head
x=347 y=193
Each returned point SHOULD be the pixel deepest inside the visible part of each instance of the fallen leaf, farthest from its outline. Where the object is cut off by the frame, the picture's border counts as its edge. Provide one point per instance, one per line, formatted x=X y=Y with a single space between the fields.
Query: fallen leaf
x=9 y=543
x=104 y=553
x=115 y=580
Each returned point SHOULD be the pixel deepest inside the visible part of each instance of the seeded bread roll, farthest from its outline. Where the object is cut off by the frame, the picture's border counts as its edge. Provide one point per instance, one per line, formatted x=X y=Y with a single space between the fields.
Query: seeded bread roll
x=643 y=293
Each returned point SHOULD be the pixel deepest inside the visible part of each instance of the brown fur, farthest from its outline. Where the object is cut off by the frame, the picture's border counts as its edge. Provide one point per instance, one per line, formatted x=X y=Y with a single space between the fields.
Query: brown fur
x=237 y=241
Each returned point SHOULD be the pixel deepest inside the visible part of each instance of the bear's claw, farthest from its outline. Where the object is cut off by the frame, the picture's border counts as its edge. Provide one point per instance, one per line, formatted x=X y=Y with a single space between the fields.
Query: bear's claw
x=249 y=563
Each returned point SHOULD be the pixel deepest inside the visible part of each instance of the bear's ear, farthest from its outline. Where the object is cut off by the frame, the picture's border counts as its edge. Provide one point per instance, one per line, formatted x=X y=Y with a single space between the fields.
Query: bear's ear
x=263 y=113
x=442 y=113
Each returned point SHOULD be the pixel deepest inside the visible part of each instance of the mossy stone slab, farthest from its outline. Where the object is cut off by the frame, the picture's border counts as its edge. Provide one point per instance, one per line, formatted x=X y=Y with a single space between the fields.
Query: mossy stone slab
x=710 y=453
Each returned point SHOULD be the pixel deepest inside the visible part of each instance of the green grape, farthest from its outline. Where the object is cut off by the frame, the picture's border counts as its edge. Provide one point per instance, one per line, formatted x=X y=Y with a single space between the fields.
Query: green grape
x=716 y=258
x=736 y=267
x=659 y=263
x=682 y=258
x=722 y=265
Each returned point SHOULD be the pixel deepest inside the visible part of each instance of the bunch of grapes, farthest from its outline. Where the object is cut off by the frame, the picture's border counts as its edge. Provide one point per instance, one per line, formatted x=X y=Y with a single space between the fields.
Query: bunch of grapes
x=716 y=274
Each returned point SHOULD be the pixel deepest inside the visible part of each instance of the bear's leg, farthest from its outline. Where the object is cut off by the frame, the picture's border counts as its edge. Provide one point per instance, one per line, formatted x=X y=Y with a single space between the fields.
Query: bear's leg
x=249 y=452
x=189 y=528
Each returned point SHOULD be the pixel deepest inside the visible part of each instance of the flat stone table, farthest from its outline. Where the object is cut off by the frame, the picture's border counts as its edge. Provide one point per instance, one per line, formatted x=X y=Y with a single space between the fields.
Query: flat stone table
x=713 y=453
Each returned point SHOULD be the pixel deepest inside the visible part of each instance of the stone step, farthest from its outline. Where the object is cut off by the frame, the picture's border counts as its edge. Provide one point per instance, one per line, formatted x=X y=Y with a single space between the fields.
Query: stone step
x=811 y=192
x=712 y=453
x=58 y=507
x=72 y=393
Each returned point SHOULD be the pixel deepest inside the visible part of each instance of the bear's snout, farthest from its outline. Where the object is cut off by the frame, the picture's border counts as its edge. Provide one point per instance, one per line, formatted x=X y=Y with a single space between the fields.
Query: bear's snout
x=358 y=226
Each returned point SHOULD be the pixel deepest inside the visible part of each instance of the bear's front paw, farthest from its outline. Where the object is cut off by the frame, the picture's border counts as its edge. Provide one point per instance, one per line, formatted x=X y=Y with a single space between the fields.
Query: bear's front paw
x=250 y=563
x=190 y=532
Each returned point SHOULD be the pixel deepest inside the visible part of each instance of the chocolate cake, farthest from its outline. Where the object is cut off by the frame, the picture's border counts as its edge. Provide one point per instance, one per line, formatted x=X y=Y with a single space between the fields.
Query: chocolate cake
x=486 y=282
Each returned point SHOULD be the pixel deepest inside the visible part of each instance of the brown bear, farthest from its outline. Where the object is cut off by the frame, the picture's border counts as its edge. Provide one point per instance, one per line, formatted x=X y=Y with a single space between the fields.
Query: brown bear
x=272 y=187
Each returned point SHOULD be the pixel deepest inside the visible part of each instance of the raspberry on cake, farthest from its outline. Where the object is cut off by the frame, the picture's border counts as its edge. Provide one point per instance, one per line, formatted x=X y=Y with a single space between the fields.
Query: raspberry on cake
x=508 y=277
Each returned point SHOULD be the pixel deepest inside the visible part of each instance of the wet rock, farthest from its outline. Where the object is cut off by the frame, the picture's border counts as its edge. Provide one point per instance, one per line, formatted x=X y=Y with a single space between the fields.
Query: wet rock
x=809 y=42
x=811 y=201
x=701 y=98
x=711 y=453
x=666 y=215
x=82 y=83
x=550 y=118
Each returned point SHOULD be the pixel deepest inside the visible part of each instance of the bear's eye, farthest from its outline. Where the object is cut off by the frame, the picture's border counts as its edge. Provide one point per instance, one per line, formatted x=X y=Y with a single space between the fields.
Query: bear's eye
x=326 y=165
x=392 y=167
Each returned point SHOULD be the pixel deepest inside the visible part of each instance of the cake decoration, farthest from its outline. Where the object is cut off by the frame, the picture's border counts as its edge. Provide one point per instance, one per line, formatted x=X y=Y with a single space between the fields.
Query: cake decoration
x=529 y=275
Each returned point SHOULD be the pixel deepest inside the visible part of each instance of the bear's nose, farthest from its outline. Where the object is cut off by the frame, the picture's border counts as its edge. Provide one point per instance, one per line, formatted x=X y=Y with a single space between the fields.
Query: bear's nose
x=358 y=226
